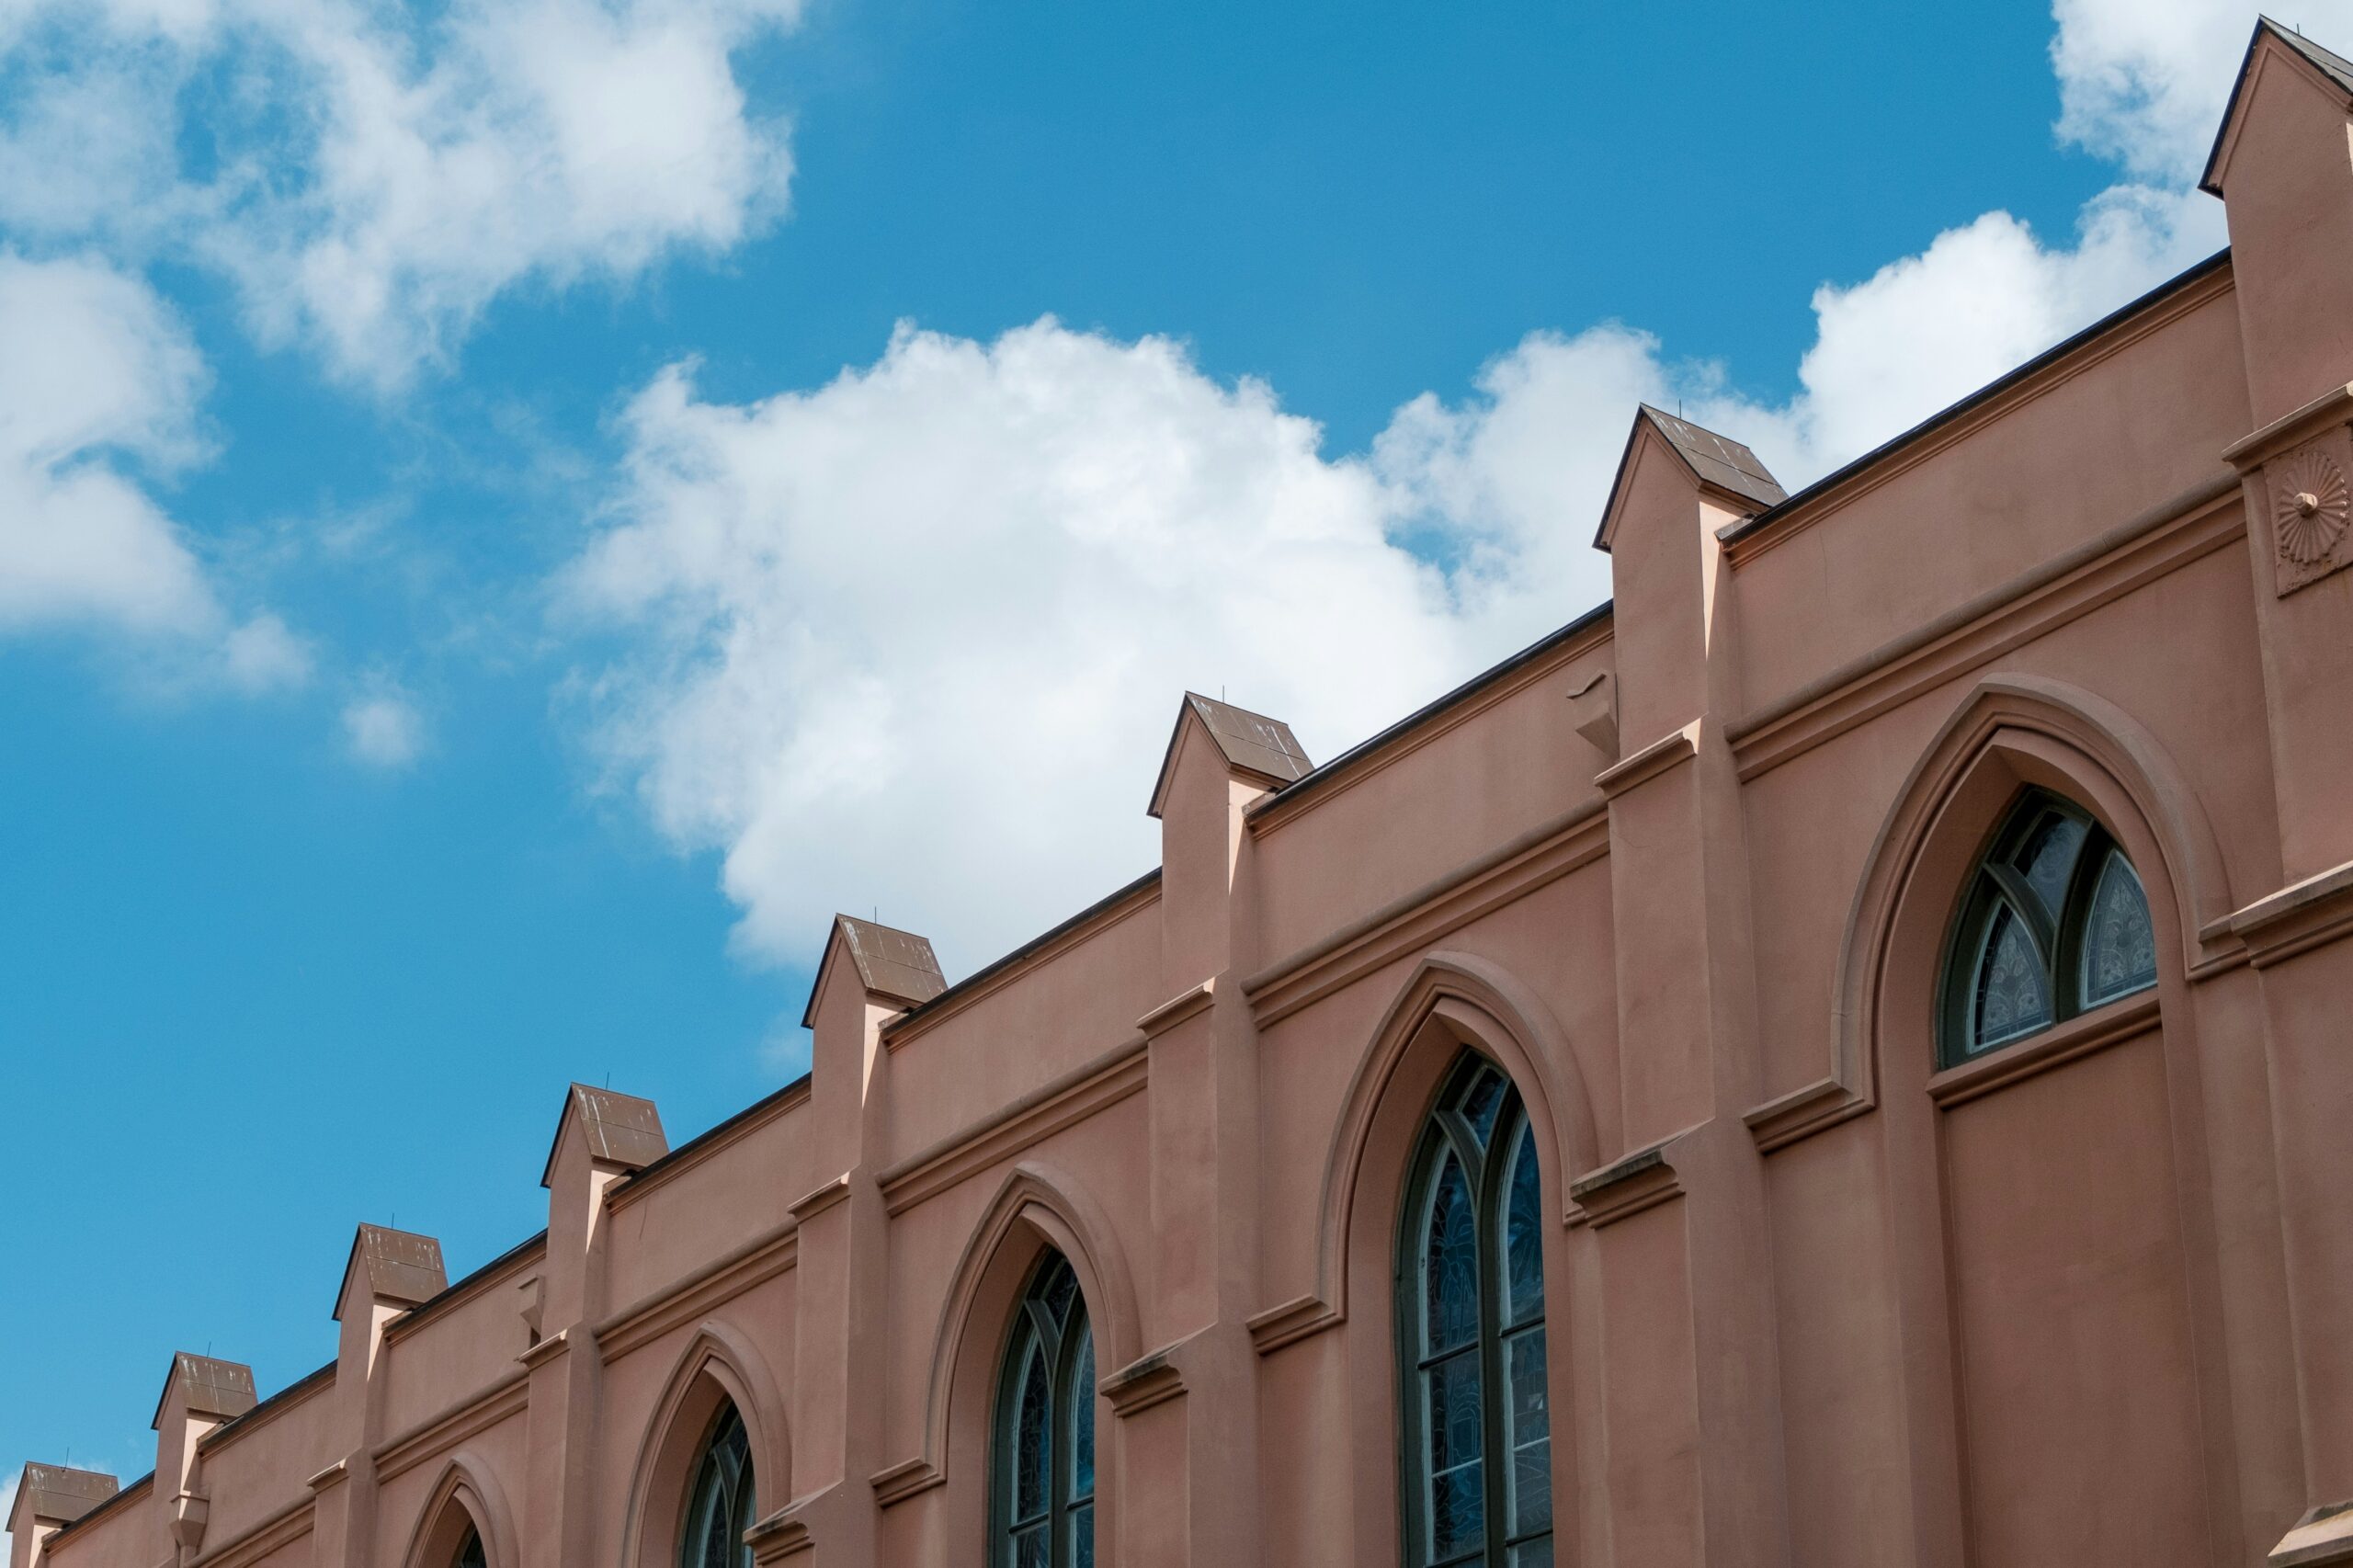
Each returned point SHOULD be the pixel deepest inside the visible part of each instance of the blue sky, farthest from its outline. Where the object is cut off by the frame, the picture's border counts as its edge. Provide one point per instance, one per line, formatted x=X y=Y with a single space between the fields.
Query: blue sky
x=521 y=506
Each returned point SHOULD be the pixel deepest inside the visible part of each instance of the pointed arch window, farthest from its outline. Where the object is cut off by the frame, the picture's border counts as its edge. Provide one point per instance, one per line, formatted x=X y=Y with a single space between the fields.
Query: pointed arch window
x=719 y=1509
x=1476 y=1405
x=471 y=1555
x=1043 y=1483
x=2055 y=922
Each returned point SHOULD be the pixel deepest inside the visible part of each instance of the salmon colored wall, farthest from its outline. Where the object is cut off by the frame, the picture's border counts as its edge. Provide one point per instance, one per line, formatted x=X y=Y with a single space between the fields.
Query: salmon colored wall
x=1813 y=1300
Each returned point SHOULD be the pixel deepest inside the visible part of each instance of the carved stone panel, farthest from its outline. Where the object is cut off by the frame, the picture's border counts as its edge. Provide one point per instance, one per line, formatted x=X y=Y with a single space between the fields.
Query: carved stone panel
x=2310 y=508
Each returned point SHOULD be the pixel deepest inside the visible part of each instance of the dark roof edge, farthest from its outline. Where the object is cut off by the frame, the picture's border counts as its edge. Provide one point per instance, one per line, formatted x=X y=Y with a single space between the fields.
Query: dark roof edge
x=2194 y=273
x=437 y=1304
x=285 y=1395
x=121 y=1493
x=988 y=972
x=2334 y=65
x=715 y=1131
x=1307 y=782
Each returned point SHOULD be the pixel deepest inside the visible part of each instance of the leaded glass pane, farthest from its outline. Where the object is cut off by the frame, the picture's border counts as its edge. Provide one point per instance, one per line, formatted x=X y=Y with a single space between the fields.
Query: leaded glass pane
x=1537 y=1554
x=1029 y=1547
x=1451 y=1262
x=1082 y=1425
x=1033 y=1440
x=2048 y=858
x=2119 y=946
x=1059 y=1285
x=1454 y=1423
x=1480 y=1104
x=1082 y=1536
x=2011 y=998
x=1524 y=1233
x=1529 y=1430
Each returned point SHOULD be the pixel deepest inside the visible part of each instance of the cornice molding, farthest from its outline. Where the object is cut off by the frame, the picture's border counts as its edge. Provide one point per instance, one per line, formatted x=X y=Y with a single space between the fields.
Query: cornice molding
x=2332 y=408
x=476 y=1412
x=1667 y=751
x=1806 y=510
x=282 y=1528
x=2070 y=1041
x=2298 y=918
x=1088 y=1089
x=674 y=1305
x=1622 y=1190
x=1504 y=875
x=2163 y=540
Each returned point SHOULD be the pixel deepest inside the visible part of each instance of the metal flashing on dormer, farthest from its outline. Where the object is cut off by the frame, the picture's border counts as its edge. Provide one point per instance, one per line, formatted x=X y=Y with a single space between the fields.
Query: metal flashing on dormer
x=1253 y=744
x=895 y=965
x=61 y=1494
x=621 y=1130
x=403 y=1268
x=1718 y=463
x=220 y=1390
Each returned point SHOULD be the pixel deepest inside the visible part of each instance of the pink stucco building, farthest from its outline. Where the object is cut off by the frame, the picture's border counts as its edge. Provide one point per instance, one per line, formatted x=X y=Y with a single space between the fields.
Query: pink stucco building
x=1841 y=1057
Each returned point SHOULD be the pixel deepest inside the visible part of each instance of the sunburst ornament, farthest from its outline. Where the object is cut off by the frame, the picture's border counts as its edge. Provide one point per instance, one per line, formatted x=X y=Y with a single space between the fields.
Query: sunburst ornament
x=2308 y=507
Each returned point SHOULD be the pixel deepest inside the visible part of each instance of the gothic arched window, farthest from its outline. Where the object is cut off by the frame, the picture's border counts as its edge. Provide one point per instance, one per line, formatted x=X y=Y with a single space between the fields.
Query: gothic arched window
x=1041 y=1511
x=1478 y=1448
x=471 y=1555
x=719 y=1509
x=2054 y=924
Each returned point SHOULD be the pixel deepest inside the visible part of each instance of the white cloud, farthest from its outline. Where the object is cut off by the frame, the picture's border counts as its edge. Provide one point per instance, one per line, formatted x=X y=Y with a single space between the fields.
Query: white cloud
x=916 y=637
x=372 y=182
x=383 y=728
x=97 y=380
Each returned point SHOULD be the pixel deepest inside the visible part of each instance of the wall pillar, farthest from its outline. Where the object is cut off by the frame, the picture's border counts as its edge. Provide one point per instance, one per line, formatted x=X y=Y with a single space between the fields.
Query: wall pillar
x=1681 y=1215
x=1197 y=1394
x=601 y=1137
x=388 y=1272
x=868 y=975
x=49 y=1497
x=200 y=1395
x=2283 y=164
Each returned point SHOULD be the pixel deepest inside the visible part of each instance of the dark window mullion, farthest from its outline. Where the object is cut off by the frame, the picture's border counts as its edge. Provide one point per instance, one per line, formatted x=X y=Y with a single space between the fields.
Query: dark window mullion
x=1492 y=1197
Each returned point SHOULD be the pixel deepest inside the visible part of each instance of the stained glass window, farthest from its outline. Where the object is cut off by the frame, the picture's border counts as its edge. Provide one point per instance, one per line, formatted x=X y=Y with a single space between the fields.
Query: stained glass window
x=1477 y=1403
x=1042 y=1511
x=2055 y=922
x=719 y=1509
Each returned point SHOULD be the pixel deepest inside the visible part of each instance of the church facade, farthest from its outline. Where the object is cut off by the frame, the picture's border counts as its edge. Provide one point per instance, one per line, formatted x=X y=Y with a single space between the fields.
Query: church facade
x=1842 y=1056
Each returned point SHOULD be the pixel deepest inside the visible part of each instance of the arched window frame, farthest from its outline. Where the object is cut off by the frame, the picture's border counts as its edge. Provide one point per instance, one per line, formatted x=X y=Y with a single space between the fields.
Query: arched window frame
x=2054 y=919
x=472 y=1554
x=719 y=1505
x=1506 y=1328
x=1064 y=1340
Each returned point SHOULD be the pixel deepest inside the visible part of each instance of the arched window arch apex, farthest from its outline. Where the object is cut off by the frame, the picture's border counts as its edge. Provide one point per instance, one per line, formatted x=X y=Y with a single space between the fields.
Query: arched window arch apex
x=2021 y=729
x=1037 y=1206
x=1452 y=1000
x=466 y=1500
x=720 y=1365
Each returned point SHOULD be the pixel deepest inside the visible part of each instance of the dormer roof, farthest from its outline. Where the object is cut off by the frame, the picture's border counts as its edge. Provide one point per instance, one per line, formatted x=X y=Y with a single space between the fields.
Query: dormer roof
x=401 y=1266
x=1717 y=461
x=2329 y=70
x=621 y=1130
x=62 y=1494
x=219 y=1391
x=1253 y=744
x=896 y=965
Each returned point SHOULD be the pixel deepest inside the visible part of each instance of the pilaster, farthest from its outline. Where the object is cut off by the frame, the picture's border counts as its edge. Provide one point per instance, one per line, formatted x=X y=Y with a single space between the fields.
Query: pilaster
x=870 y=974
x=48 y=1497
x=2283 y=164
x=601 y=1137
x=200 y=1395
x=1203 y=1051
x=1684 y=1211
x=388 y=1272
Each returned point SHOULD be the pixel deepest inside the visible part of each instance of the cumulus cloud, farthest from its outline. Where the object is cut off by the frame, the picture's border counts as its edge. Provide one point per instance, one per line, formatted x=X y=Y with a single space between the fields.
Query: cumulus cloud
x=916 y=636
x=371 y=181
x=383 y=728
x=99 y=382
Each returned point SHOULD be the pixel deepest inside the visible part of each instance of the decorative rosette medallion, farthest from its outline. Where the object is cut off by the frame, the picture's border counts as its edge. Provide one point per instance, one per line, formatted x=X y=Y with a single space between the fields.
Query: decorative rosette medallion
x=2310 y=509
